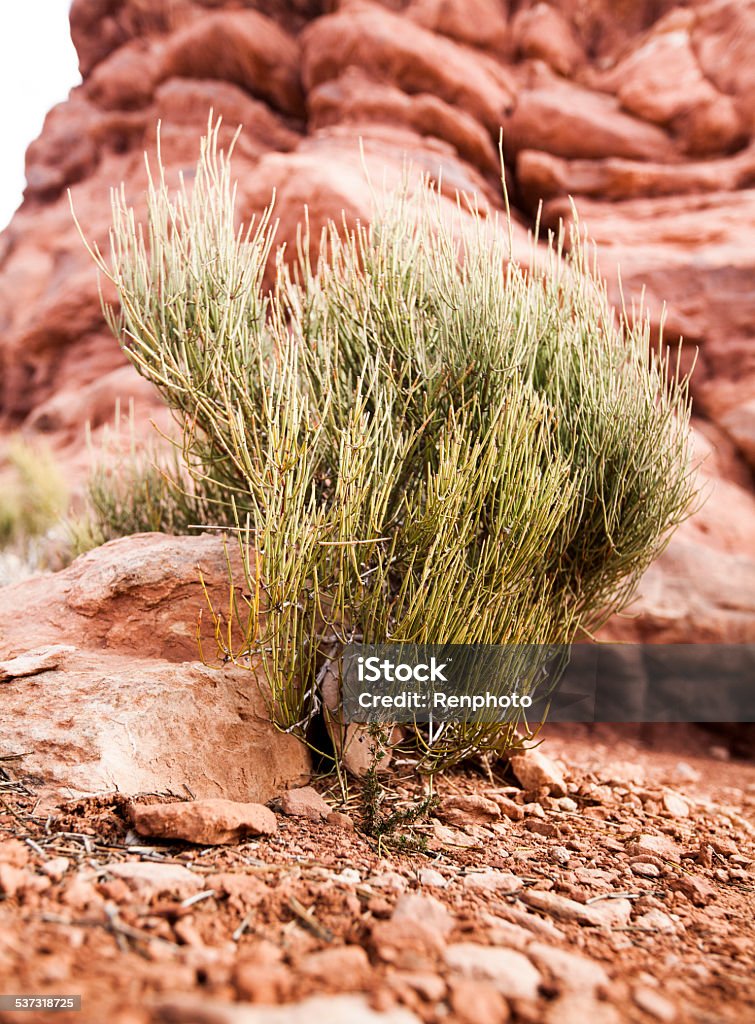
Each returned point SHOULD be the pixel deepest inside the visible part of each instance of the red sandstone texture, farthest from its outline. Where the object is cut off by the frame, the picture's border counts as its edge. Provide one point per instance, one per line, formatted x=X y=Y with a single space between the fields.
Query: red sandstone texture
x=643 y=112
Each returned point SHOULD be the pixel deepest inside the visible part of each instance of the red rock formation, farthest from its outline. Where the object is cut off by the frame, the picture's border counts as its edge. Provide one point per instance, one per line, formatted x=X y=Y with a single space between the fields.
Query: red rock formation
x=642 y=111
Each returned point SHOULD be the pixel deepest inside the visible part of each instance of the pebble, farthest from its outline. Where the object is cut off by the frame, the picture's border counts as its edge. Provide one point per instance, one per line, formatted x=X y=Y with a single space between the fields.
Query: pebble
x=509 y=809
x=405 y=942
x=534 y=770
x=574 y=973
x=340 y=820
x=464 y=810
x=453 y=837
x=654 y=1003
x=389 y=880
x=345 y=967
x=304 y=802
x=686 y=773
x=205 y=822
x=149 y=876
x=645 y=869
x=475 y=1001
x=432 y=878
x=697 y=890
x=502 y=882
x=675 y=805
x=56 y=868
x=655 y=921
x=511 y=972
x=541 y=828
x=349 y=876
x=427 y=910
x=580 y=1009
x=657 y=846
x=609 y=913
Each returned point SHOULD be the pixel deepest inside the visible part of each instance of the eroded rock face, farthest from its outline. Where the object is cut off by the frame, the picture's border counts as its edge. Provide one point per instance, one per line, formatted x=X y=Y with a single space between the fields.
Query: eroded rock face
x=119 y=699
x=643 y=112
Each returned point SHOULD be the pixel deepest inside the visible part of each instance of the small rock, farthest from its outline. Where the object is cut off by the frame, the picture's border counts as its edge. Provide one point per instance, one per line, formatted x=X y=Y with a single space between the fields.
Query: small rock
x=511 y=972
x=14 y=852
x=561 y=855
x=340 y=820
x=432 y=878
x=349 y=876
x=476 y=1001
x=645 y=869
x=508 y=808
x=656 y=846
x=541 y=828
x=304 y=802
x=466 y=810
x=654 y=921
x=580 y=1009
x=453 y=837
x=502 y=882
x=153 y=877
x=654 y=1003
x=56 y=868
x=609 y=913
x=12 y=880
x=41 y=659
x=697 y=890
x=430 y=986
x=425 y=909
x=399 y=936
x=505 y=933
x=719 y=753
x=533 y=810
x=565 y=803
x=686 y=773
x=534 y=770
x=389 y=880
x=345 y=967
x=574 y=973
x=206 y=822
x=675 y=805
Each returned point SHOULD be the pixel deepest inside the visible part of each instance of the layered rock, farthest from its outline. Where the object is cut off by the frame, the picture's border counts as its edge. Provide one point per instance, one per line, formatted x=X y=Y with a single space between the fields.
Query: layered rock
x=101 y=688
x=642 y=112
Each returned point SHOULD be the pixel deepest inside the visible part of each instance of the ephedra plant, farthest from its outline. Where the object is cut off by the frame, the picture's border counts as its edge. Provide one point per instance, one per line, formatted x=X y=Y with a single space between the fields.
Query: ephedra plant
x=417 y=439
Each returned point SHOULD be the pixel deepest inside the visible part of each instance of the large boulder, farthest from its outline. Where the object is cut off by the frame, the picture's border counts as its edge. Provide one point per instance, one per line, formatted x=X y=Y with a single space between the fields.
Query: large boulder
x=103 y=688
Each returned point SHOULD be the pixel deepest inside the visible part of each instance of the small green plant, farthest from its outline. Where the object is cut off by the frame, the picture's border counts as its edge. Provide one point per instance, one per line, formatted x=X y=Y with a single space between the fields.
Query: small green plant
x=395 y=829
x=135 y=487
x=417 y=439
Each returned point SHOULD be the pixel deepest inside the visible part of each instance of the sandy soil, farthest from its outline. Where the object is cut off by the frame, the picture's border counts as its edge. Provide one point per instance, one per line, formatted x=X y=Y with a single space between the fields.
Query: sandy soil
x=629 y=898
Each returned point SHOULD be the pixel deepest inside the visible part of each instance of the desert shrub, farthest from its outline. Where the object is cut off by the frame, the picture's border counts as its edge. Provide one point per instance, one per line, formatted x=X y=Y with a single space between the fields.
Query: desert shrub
x=34 y=495
x=419 y=440
x=135 y=487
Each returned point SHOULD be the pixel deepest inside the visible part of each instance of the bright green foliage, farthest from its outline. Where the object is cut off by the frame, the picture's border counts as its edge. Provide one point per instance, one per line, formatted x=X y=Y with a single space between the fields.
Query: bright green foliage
x=420 y=440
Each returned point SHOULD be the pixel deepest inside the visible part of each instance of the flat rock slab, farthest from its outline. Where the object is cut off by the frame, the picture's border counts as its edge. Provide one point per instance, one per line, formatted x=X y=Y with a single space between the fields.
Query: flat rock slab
x=104 y=691
x=206 y=822
x=109 y=722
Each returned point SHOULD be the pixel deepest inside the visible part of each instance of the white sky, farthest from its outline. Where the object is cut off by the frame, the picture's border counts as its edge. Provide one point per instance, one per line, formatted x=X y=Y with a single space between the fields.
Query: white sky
x=38 y=66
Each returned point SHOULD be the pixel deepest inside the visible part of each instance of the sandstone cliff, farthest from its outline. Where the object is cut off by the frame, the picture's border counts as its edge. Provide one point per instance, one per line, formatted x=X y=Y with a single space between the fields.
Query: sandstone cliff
x=643 y=111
